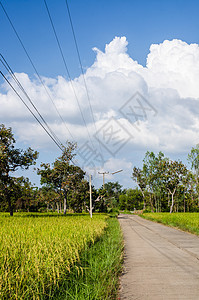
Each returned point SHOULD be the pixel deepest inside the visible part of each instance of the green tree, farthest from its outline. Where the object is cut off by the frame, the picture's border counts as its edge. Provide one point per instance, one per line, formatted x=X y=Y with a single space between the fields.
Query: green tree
x=11 y=159
x=193 y=159
x=123 y=204
x=172 y=175
x=134 y=199
x=64 y=177
x=100 y=203
x=47 y=198
x=140 y=178
x=80 y=197
x=113 y=190
x=152 y=174
x=26 y=193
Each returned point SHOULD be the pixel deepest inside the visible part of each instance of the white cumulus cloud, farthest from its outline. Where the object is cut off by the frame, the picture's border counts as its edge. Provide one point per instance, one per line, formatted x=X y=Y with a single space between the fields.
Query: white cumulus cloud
x=158 y=105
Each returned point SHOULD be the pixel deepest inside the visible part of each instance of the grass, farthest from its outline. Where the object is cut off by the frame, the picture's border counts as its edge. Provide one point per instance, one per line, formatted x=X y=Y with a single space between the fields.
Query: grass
x=96 y=275
x=49 y=256
x=184 y=221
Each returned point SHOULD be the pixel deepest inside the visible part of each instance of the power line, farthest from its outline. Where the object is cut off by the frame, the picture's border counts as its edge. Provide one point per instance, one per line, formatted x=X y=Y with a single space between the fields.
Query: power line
x=39 y=77
x=31 y=111
x=59 y=45
x=79 y=58
x=29 y=58
x=8 y=68
x=67 y=70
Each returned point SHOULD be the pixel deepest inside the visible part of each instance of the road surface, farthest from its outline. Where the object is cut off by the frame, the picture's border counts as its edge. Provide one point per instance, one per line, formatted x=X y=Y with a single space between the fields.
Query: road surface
x=160 y=262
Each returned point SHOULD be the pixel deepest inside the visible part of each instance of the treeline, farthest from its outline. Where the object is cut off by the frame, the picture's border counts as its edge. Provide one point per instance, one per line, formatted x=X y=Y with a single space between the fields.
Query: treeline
x=164 y=185
x=64 y=186
x=168 y=185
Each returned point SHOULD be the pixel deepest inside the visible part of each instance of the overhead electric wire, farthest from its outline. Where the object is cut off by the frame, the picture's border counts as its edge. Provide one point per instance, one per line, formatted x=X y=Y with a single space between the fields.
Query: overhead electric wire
x=67 y=70
x=31 y=111
x=8 y=68
x=26 y=52
x=79 y=58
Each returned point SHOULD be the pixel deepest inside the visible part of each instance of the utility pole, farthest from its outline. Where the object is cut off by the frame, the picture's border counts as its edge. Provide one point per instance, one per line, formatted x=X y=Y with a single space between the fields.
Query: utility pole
x=103 y=173
x=90 y=177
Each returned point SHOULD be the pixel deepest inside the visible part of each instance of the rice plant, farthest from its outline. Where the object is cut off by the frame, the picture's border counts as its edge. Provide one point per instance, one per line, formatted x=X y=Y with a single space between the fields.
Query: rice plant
x=185 y=221
x=38 y=250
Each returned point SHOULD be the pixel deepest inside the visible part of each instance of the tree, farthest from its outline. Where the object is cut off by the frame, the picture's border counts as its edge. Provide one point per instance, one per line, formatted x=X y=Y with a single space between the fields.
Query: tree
x=172 y=176
x=139 y=176
x=123 y=204
x=80 y=196
x=64 y=177
x=193 y=158
x=133 y=199
x=47 y=198
x=26 y=193
x=11 y=159
x=151 y=172
x=113 y=190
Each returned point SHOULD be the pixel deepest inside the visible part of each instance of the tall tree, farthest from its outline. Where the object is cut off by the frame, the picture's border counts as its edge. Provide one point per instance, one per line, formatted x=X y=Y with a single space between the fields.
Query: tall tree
x=172 y=176
x=12 y=159
x=193 y=158
x=139 y=176
x=63 y=176
x=152 y=174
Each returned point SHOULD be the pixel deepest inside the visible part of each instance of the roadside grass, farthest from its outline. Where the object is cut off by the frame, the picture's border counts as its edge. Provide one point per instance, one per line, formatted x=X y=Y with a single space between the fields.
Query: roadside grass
x=96 y=276
x=184 y=221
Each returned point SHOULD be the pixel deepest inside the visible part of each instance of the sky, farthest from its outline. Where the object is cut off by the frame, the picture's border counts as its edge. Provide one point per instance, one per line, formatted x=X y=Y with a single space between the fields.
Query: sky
x=139 y=91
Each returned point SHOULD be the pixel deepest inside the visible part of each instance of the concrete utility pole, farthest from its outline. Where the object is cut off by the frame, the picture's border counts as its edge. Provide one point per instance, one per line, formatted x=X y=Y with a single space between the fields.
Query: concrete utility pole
x=103 y=173
x=90 y=177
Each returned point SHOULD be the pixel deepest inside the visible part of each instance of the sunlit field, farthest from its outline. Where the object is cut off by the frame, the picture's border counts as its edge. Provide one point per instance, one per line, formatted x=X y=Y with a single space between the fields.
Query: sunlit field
x=185 y=221
x=38 y=250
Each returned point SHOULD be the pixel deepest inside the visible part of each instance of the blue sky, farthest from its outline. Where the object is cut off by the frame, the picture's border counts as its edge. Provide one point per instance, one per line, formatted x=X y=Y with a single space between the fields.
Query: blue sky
x=96 y=24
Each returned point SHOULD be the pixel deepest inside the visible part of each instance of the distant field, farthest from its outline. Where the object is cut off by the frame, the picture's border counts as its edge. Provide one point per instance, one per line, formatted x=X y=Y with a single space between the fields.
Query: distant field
x=38 y=250
x=185 y=221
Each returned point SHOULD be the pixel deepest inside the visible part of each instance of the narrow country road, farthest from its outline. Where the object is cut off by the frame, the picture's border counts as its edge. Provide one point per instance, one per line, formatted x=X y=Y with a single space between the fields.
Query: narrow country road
x=160 y=262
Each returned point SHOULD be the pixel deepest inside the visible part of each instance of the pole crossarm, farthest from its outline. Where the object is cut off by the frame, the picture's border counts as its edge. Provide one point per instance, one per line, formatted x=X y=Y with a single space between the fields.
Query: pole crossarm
x=116 y=172
x=105 y=173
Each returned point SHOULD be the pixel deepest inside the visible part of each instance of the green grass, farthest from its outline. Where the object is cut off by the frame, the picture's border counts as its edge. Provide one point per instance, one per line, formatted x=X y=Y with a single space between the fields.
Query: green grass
x=96 y=275
x=51 y=256
x=184 y=221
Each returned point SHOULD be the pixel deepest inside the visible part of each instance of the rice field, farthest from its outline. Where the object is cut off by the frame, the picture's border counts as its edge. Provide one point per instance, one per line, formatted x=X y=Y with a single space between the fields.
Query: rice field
x=184 y=221
x=38 y=250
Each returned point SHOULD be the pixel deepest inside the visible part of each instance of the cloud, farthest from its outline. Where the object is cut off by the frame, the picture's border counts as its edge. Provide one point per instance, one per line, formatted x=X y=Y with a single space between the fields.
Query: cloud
x=164 y=116
x=176 y=65
x=114 y=59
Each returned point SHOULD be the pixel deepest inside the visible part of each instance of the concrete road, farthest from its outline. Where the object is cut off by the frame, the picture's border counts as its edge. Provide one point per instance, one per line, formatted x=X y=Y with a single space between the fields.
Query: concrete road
x=160 y=262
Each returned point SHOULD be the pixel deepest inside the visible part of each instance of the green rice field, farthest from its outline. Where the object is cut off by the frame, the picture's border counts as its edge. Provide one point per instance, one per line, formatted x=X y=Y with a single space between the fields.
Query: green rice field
x=184 y=221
